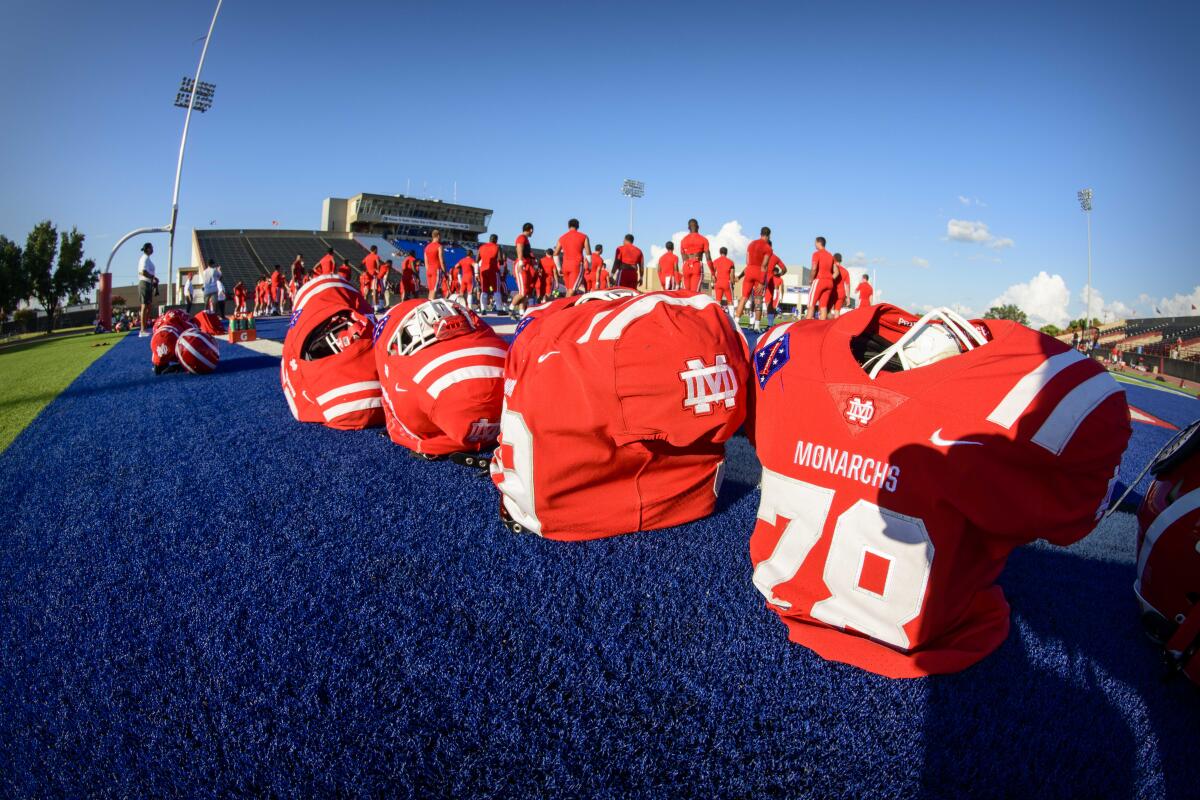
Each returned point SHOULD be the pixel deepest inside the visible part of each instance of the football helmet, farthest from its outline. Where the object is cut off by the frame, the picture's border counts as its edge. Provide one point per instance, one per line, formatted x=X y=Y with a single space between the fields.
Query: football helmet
x=938 y=335
x=335 y=334
x=1168 y=565
x=431 y=321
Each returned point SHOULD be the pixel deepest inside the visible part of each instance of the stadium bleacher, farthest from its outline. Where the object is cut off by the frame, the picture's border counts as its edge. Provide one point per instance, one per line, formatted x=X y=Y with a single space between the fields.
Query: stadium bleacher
x=247 y=256
x=234 y=257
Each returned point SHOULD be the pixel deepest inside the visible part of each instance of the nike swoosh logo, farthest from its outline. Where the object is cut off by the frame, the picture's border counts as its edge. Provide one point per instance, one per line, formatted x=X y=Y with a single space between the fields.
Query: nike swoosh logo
x=936 y=438
x=544 y=356
x=398 y=389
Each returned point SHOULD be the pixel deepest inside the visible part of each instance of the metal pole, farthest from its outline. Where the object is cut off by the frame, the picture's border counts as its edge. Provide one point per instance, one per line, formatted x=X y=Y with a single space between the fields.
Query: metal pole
x=631 y=213
x=179 y=166
x=1088 y=320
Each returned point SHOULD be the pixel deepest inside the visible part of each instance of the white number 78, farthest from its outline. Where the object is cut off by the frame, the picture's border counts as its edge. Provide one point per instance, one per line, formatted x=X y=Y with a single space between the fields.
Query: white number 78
x=860 y=531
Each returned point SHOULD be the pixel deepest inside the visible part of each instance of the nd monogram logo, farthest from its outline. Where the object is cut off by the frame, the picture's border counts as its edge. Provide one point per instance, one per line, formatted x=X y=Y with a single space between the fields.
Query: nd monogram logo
x=484 y=430
x=707 y=386
x=860 y=411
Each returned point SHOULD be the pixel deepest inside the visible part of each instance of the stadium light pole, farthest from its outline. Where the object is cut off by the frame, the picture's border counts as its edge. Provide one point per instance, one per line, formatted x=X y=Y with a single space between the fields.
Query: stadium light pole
x=1085 y=203
x=199 y=96
x=632 y=189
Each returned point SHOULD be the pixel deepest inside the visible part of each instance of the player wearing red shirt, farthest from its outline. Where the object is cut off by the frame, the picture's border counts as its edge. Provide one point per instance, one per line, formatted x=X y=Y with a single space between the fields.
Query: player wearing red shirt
x=434 y=266
x=364 y=284
x=695 y=251
x=773 y=284
x=489 y=272
x=758 y=255
x=326 y=265
x=239 y=298
x=597 y=271
x=408 y=277
x=891 y=499
x=466 y=269
x=545 y=276
x=298 y=269
x=722 y=274
x=841 y=287
x=629 y=264
x=370 y=265
x=864 y=291
x=525 y=270
x=570 y=250
x=820 y=287
x=383 y=286
x=276 y=286
x=668 y=269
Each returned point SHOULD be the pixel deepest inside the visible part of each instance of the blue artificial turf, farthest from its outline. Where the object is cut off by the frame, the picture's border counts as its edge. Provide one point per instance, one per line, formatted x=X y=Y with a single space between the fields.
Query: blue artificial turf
x=247 y=605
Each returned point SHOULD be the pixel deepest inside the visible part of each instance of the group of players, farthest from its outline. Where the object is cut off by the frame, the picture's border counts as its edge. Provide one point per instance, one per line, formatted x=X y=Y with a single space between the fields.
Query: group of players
x=573 y=266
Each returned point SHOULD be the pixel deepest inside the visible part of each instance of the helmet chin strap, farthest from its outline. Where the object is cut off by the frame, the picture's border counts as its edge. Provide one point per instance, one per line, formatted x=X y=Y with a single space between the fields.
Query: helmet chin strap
x=952 y=322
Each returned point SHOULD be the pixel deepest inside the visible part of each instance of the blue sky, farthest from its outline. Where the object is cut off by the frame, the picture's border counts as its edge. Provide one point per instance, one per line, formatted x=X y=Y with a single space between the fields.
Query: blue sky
x=873 y=125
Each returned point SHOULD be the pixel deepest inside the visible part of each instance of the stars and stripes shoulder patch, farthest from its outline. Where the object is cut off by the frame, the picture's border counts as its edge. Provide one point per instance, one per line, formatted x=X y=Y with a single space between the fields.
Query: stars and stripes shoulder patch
x=771 y=357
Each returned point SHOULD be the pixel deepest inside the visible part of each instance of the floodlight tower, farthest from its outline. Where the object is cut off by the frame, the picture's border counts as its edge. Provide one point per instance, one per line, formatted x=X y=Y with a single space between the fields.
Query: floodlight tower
x=194 y=94
x=632 y=189
x=1085 y=203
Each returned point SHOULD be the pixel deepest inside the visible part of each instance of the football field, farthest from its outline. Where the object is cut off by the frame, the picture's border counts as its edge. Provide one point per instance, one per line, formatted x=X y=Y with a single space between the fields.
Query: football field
x=201 y=596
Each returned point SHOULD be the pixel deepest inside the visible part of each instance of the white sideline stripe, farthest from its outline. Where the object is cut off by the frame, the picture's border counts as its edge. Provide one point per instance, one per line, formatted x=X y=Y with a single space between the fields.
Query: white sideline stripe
x=200 y=356
x=268 y=347
x=333 y=412
x=466 y=352
x=1172 y=514
x=643 y=306
x=1021 y=396
x=464 y=374
x=1066 y=418
x=349 y=388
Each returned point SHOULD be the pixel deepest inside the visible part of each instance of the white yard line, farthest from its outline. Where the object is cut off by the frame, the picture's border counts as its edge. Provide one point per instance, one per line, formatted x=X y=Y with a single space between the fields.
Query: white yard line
x=268 y=347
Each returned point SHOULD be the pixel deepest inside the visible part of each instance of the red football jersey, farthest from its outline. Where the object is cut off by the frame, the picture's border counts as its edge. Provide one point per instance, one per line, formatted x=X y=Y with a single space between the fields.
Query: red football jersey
x=340 y=390
x=616 y=414
x=889 y=506
x=446 y=396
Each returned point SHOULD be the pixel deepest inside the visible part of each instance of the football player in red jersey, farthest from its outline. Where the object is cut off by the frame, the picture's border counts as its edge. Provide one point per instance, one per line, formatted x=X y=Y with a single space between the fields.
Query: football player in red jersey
x=546 y=271
x=239 y=298
x=466 y=268
x=656 y=384
x=820 y=286
x=926 y=450
x=864 y=291
x=489 y=274
x=773 y=285
x=722 y=275
x=276 y=290
x=435 y=269
x=668 y=267
x=408 y=277
x=695 y=252
x=629 y=264
x=758 y=256
x=598 y=274
x=570 y=251
x=298 y=269
x=326 y=265
x=841 y=287
x=524 y=270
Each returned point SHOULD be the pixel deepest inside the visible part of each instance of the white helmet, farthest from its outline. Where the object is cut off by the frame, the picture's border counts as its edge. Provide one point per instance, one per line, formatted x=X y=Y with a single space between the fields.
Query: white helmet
x=432 y=321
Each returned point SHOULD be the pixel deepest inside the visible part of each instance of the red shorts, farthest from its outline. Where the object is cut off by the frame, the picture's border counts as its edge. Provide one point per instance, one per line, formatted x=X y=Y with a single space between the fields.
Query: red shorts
x=431 y=278
x=693 y=272
x=409 y=286
x=627 y=276
x=723 y=291
x=487 y=280
x=820 y=293
x=526 y=278
x=601 y=279
x=571 y=280
x=468 y=283
x=752 y=285
x=274 y=294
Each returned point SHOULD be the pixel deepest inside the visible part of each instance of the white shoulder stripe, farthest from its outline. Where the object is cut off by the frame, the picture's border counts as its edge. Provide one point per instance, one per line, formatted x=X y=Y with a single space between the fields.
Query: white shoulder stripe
x=1072 y=410
x=319 y=285
x=349 y=388
x=775 y=333
x=340 y=410
x=1021 y=396
x=465 y=374
x=1170 y=515
x=643 y=306
x=592 y=326
x=465 y=352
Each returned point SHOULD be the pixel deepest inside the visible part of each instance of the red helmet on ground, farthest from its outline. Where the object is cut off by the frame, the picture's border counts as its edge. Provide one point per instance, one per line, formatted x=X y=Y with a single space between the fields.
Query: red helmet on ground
x=1168 y=566
x=210 y=322
x=197 y=352
x=174 y=317
x=442 y=370
x=162 y=345
x=328 y=368
x=616 y=415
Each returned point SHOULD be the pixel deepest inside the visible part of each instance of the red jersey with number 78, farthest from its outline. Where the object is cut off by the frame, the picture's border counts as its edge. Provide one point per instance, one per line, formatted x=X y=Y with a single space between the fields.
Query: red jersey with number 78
x=889 y=506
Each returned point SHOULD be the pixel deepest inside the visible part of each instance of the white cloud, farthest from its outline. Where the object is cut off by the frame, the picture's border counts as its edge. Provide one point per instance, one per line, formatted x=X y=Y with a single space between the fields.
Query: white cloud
x=860 y=259
x=966 y=201
x=730 y=235
x=1045 y=298
x=975 y=232
x=1181 y=305
x=1107 y=312
x=920 y=262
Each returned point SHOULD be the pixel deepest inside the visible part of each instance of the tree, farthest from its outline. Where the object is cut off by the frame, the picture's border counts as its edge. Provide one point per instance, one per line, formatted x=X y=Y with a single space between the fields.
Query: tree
x=1009 y=311
x=1081 y=324
x=1050 y=330
x=71 y=277
x=14 y=286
